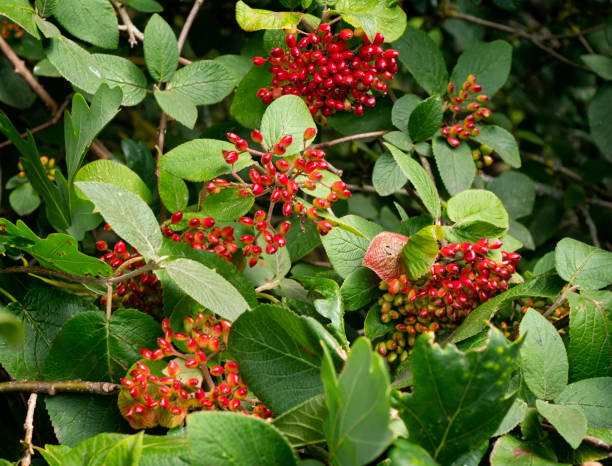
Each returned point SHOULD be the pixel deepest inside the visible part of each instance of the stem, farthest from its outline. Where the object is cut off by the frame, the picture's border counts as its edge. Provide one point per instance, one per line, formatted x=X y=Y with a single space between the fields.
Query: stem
x=353 y=137
x=188 y=22
x=29 y=429
x=109 y=301
x=267 y=286
x=134 y=34
x=51 y=388
x=560 y=300
x=591 y=224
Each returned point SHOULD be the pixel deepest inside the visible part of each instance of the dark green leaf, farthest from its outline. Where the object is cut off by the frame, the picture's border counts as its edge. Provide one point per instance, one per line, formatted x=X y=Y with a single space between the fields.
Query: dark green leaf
x=24 y=199
x=593 y=397
x=405 y=453
x=327 y=300
x=423 y=59
x=225 y=439
x=600 y=64
x=204 y=82
x=74 y=63
x=489 y=62
x=509 y=451
x=455 y=165
x=173 y=191
x=598 y=114
x=402 y=108
x=237 y=65
x=246 y=107
x=178 y=107
x=590 y=345
x=358 y=403
x=387 y=178
x=42 y=313
x=160 y=49
x=425 y=119
x=279 y=355
x=106 y=348
x=147 y=6
x=544 y=363
x=119 y=71
x=373 y=327
x=303 y=424
x=14 y=91
x=502 y=142
x=583 y=265
x=301 y=242
x=516 y=191
x=359 y=288
x=93 y=21
x=458 y=399
x=569 y=422
x=227 y=206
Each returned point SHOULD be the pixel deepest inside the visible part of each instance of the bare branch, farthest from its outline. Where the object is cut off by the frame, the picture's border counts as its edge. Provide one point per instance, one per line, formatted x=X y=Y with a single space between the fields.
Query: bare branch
x=29 y=429
x=134 y=34
x=188 y=22
x=352 y=137
x=51 y=388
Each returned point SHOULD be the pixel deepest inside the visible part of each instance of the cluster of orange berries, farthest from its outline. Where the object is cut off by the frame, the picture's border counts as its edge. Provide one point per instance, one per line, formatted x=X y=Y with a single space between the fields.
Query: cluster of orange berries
x=47 y=163
x=282 y=181
x=10 y=30
x=141 y=292
x=468 y=99
x=158 y=393
x=460 y=280
x=330 y=75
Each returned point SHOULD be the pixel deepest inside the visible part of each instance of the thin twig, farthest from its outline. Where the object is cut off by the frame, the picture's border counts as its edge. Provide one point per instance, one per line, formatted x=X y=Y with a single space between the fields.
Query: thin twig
x=22 y=69
x=51 y=388
x=560 y=300
x=109 y=300
x=353 y=137
x=29 y=429
x=134 y=34
x=518 y=32
x=188 y=22
x=57 y=117
x=569 y=35
x=591 y=224
x=267 y=286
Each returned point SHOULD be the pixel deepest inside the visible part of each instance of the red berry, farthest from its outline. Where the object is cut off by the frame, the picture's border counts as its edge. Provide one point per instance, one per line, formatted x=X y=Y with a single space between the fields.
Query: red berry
x=176 y=217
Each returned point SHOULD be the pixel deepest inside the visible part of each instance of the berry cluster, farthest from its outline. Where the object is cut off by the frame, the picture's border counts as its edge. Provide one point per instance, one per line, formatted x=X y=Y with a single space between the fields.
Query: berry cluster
x=201 y=233
x=47 y=163
x=282 y=180
x=327 y=73
x=468 y=99
x=156 y=393
x=460 y=280
x=482 y=156
x=142 y=292
x=509 y=321
x=10 y=30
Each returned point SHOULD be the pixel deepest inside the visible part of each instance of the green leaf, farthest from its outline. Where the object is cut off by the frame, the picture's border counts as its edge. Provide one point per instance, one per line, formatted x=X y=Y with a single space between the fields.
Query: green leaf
x=405 y=453
x=24 y=199
x=207 y=287
x=178 y=107
x=14 y=91
x=45 y=68
x=477 y=205
x=327 y=300
x=119 y=71
x=569 y=422
x=287 y=115
x=82 y=127
x=303 y=424
x=77 y=418
x=600 y=64
x=455 y=165
x=458 y=399
x=201 y=160
x=41 y=314
x=516 y=191
x=388 y=18
x=204 y=82
x=106 y=171
x=543 y=358
x=225 y=439
x=127 y=214
x=402 y=109
x=472 y=232
x=425 y=119
x=420 y=54
x=93 y=21
x=237 y=65
x=253 y=19
x=106 y=348
x=501 y=141
x=160 y=49
x=74 y=63
x=583 y=265
x=11 y=328
x=357 y=426
x=55 y=205
x=521 y=233
x=227 y=206
x=46 y=7
x=21 y=12
x=279 y=355
x=270 y=267
x=420 y=252
x=359 y=288
x=147 y=6
x=590 y=345
x=421 y=181
x=598 y=113
x=545 y=286
x=373 y=327
x=515 y=415
x=509 y=451
x=300 y=243
x=386 y=176
x=246 y=107
x=345 y=249
x=173 y=191
x=593 y=397
x=58 y=251
x=489 y=62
